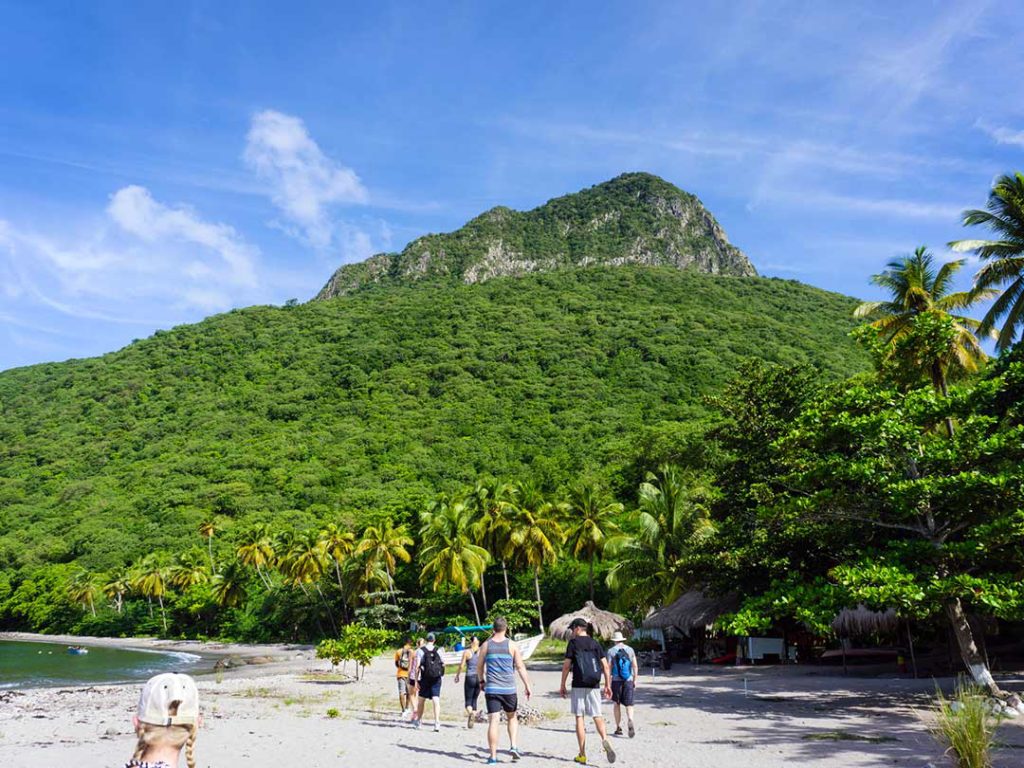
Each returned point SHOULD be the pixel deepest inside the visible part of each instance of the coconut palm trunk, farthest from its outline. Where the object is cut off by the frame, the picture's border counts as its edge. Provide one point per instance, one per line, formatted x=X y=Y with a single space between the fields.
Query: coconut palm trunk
x=330 y=613
x=504 y=573
x=209 y=548
x=163 y=614
x=483 y=594
x=540 y=609
x=593 y=554
x=476 y=611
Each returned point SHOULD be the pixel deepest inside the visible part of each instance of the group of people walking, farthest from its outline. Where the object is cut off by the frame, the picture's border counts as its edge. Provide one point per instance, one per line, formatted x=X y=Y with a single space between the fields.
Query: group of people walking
x=491 y=668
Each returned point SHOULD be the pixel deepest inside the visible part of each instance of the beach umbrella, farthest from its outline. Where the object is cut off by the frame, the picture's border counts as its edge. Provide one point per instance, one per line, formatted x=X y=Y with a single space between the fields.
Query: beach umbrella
x=693 y=610
x=605 y=623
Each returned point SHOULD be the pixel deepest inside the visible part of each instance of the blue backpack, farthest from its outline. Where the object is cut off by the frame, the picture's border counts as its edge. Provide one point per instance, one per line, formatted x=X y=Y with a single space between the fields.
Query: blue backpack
x=623 y=665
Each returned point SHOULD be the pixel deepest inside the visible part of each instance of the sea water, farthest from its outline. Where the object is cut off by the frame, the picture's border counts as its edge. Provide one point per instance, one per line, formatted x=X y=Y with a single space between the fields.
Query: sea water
x=32 y=664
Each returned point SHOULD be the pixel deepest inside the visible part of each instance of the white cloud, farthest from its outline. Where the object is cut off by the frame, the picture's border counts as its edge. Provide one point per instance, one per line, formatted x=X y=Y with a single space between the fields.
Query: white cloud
x=142 y=263
x=1001 y=135
x=304 y=182
x=135 y=211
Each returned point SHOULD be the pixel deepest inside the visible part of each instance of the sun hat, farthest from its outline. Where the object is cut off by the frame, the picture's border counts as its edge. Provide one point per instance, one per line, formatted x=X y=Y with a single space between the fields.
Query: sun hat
x=617 y=637
x=169 y=699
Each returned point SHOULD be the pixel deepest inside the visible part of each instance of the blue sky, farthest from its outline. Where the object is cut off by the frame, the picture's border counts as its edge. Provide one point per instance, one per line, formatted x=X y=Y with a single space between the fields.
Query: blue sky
x=160 y=162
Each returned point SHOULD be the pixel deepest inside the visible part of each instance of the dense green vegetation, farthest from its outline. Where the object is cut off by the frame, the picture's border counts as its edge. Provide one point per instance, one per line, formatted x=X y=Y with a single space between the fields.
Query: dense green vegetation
x=231 y=442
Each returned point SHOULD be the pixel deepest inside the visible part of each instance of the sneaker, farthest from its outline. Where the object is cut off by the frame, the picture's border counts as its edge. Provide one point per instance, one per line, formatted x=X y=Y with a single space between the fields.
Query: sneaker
x=515 y=754
x=608 y=750
x=632 y=730
x=437 y=727
x=416 y=724
x=470 y=719
x=618 y=732
x=492 y=761
x=581 y=759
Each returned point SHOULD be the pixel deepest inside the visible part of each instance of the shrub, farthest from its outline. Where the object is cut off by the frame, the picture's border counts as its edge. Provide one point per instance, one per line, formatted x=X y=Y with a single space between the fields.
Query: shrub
x=966 y=725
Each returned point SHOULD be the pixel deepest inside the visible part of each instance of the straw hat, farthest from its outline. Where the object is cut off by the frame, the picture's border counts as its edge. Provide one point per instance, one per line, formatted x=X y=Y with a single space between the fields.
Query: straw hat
x=617 y=637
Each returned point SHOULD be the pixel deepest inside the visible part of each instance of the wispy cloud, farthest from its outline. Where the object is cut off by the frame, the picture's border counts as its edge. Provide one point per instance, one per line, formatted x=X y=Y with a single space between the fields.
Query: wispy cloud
x=1000 y=134
x=140 y=262
x=884 y=207
x=303 y=181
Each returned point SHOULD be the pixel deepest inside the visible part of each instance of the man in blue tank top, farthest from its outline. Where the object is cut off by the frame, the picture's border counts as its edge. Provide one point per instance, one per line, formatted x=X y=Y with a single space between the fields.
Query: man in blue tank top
x=497 y=665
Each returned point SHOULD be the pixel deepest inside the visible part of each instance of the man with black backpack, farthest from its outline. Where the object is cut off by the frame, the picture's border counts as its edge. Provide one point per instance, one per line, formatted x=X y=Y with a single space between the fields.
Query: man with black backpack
x=622 y=660
x=585 y=658
x=431 y=670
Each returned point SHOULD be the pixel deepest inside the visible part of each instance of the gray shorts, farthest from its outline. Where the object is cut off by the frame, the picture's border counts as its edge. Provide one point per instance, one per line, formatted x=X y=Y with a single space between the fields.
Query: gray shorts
x=585 y=702
x=403 y=685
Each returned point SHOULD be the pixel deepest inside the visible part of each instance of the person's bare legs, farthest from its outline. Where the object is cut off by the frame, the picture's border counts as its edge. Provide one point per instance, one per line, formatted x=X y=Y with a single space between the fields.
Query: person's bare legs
x=493 y=721
x=599 y=724
x=618 y=716
x=581 y=733
x=513 y=729
x=437 y=711
x=629 y=717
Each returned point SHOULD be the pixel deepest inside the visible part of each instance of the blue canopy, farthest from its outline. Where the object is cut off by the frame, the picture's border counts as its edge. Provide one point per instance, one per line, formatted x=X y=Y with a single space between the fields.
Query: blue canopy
x=462 y=630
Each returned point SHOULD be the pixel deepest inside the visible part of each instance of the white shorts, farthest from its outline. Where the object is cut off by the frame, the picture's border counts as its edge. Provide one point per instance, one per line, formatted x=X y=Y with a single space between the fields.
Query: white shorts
x=585 y=702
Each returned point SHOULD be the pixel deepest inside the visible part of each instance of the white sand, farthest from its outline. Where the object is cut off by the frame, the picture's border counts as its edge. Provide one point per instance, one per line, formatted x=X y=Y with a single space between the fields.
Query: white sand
x=275 y=715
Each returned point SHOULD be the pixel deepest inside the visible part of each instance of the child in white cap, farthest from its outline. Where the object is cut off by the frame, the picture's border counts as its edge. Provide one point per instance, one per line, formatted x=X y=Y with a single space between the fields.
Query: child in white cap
x=167 y=720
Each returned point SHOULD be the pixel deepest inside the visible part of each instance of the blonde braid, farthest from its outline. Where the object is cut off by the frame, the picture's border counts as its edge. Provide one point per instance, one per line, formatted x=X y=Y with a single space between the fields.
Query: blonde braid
x=190 y=746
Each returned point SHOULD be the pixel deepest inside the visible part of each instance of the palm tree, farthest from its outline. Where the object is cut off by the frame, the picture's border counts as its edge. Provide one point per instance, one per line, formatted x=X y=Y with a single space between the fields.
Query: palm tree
x=590 y=523
x=188 y=571
x=494 y=505
x=84 y=589
x=383 y=546
x=917 y=290
x=305 y=561
x=256 y=550
x=208 y=528
x=115 y=587
x=151 y=582
x=673 y=520
x=536 y=535
x=1004 y=256
x=229 y=586
x=449 y=554
x=340 y=546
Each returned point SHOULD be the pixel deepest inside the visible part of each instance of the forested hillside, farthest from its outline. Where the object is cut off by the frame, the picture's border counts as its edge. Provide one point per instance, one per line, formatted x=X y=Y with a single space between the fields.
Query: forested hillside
x=372 y=403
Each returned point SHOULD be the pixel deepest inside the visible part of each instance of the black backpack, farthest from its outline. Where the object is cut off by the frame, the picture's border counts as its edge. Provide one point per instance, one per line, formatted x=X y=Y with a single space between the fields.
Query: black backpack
x=433 y=665
x=587 y=667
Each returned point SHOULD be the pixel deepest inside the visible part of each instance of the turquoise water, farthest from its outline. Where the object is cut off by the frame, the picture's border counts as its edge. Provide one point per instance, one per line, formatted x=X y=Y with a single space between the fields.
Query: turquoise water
x=31 y=665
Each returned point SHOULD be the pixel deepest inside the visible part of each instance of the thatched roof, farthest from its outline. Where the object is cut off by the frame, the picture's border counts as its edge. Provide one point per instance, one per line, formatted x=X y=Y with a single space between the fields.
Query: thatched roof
x=694 y=610
x=862 y=621
x=605 y=622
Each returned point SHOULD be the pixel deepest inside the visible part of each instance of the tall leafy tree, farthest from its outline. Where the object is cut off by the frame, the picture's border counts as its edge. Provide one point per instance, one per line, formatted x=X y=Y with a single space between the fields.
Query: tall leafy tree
x=672 y=521
x=536 y=536
x=229 y=586
x=151 y=581
x=115 y=587
x=920 y=291
x=493 y=502
x=305 y=561
x=450 y=556
x=1003 y=257
x=208 y=528
x=84 y=588
x=384 y=546
x=256 y=550
x=187 y=571
x=590 y=523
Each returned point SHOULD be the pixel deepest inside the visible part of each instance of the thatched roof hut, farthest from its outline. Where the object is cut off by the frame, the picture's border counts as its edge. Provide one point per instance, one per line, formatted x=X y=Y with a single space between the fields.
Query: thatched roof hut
x=863 y=622
x=694 y=610
x=605 y=623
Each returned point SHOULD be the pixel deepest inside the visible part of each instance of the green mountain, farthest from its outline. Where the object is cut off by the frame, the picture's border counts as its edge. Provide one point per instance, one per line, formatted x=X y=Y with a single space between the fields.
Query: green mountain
x=635 y=218
x=370 y=403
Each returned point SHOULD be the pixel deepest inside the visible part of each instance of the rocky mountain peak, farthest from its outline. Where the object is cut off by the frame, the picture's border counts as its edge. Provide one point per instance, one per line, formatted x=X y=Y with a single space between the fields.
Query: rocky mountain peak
x=635 y=218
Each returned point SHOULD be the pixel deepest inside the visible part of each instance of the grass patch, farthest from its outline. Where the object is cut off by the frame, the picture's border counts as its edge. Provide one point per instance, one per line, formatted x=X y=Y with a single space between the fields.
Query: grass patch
x=549 y=650
x=847 y=736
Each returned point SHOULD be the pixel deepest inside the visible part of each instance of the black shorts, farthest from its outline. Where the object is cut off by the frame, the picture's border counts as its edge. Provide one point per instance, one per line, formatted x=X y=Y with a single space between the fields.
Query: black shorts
x=501 y=702
x=623 y=692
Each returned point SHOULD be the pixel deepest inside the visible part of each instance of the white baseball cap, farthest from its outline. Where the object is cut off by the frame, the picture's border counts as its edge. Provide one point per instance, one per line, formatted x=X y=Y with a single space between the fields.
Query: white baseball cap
x=169 y=699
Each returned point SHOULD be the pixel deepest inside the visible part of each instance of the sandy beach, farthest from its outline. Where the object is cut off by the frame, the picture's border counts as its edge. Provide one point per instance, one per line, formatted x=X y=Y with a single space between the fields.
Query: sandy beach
x=274 y=712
